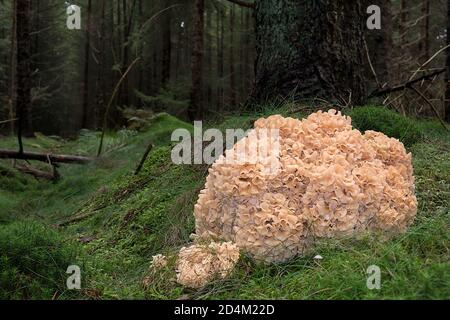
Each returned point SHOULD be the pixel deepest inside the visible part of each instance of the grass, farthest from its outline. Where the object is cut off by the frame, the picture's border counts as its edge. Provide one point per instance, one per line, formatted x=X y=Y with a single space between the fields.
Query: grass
x=126 y=219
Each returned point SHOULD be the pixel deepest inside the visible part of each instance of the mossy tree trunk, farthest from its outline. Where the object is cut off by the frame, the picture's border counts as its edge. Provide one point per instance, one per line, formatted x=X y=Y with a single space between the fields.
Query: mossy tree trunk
x=309 y=49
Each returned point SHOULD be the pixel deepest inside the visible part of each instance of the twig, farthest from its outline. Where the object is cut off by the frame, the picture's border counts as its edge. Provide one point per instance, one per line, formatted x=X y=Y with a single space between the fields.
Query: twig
x=431 y=105
x=38 y=174
x=370 y=64
x=406 y=85
x=8 y=121
x=144 y=157
x=105 y=117
x=428 y=61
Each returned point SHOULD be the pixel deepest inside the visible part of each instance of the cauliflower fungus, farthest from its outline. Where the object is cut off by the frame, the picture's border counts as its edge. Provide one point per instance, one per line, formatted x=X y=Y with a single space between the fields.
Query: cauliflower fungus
x=331 y=180
x=199 y=264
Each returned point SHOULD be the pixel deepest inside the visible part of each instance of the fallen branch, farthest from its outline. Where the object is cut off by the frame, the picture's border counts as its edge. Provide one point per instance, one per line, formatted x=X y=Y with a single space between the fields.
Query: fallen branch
x=244 y=4
x=44 y=157
x=38 y=174
x=144 y=157
x=75 y=219
x=406 y=85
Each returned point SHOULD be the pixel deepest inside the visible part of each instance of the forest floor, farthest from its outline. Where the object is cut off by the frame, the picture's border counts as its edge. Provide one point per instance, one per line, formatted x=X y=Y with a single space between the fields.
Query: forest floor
x=124 y=219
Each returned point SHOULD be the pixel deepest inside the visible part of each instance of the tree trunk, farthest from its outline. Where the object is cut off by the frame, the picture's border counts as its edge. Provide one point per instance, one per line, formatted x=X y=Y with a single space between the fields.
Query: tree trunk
x=403 y=21
x=209 y=56
x=141 y=67
x=87 y=45
x=13 y=60
x=196 y=104
x=167 y=44
x=128 y=23
x=23 y=73
x=309 y=49
x=232 y=60
x=447 y=64
x=424 y=44
x=100 y=82
x=220 y=64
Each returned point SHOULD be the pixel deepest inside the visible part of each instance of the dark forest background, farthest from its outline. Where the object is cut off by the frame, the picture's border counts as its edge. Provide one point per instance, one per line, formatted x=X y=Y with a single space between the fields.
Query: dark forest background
x=72 y=73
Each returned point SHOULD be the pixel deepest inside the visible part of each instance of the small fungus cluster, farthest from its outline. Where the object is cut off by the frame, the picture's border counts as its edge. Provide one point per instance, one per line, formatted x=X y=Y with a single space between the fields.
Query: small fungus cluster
x=332 y=180
x=200 y=264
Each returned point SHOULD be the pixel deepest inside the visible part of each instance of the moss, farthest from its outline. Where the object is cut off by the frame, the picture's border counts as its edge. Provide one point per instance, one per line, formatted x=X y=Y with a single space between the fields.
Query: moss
x=388 y=122
x=33 y=261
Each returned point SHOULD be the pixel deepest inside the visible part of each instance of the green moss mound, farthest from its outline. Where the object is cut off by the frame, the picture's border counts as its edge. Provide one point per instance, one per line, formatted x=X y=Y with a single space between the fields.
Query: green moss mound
x=33 y=261
x=386 y=121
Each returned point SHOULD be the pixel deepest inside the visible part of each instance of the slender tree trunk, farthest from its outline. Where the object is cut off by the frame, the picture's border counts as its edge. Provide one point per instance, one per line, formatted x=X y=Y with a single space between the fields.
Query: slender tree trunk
x=424 y=44
x=179 y=52
x=128 y=23
x=100 y=83
x=196 y=103
x=310 y=49
x=447 y=63
x=249 y=61
x=403 y=21
x=141 y=71
x=167 y=45
x=232 y=59
x=242 y=44
x=220 y=57
x=209 y=56
x=13 y=63
x=87 y=47
x=23 y=73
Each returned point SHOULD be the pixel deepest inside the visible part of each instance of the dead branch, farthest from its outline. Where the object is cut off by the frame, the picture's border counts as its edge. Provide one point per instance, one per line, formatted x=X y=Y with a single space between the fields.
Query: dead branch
x=38 y=174
x=144 y=157
x=75 y=219
x=406 y=85
x=44 y=157
x=370 y=64
x=244 y=4
x=8 y=121
x=431 y=105
x=428 y=61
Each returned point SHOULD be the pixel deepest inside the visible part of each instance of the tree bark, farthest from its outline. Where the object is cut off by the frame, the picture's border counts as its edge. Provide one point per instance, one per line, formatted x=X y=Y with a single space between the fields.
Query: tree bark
x=100 y=82
x=424 y=44
x=232 y=60
x=309 y=49
x=220 y=64
x=196 y=103
x=167 y=45
x=447 y=65
x=13 y=61
x=23 y=73
x=209 y=55
x=87 y=46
